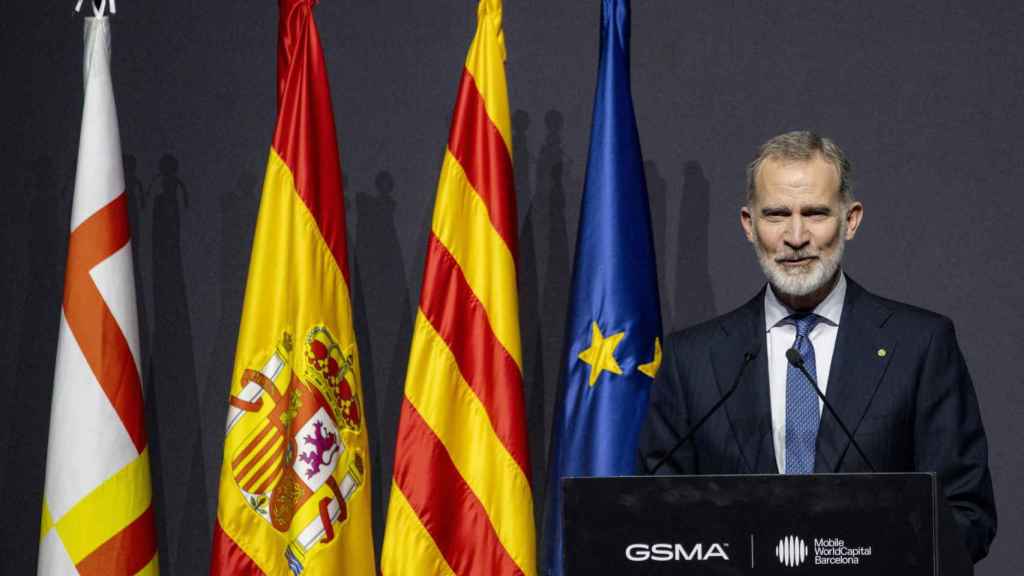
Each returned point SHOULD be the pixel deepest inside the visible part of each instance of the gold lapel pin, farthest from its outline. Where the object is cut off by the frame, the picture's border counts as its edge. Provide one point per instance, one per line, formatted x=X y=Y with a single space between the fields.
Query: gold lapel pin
x=882 y=352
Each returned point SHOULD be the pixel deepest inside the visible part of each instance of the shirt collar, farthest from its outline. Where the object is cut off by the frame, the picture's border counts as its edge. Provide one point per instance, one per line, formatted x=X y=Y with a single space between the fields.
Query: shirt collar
x=830 y=309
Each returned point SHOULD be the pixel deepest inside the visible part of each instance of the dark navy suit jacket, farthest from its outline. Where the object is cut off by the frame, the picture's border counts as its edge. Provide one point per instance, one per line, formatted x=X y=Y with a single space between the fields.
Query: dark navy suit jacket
x=912 y=407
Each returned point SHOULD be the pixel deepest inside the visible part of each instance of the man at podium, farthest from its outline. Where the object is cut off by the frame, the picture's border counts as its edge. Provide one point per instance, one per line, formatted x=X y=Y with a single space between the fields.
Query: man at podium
x=895 y=393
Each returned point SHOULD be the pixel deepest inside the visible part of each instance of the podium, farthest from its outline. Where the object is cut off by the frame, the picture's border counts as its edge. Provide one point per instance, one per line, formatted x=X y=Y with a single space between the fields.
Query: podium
x=827 y=524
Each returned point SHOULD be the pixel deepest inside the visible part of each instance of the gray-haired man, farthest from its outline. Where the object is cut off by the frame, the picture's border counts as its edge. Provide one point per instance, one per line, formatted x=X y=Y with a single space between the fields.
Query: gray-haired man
x=893 y=372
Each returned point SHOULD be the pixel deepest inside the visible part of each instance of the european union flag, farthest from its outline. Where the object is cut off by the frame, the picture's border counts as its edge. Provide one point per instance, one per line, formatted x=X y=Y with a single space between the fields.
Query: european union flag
x=613 y=346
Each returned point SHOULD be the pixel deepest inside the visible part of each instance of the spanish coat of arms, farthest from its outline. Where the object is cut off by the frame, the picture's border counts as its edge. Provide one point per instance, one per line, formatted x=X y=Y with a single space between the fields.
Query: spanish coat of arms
x=294 y=448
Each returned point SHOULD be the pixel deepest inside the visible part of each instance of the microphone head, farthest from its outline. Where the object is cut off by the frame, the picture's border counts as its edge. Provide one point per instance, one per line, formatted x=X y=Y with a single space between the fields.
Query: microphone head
x=794 y=357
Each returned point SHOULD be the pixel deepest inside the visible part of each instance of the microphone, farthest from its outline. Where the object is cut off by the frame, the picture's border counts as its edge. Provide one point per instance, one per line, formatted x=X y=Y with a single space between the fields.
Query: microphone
x=797 y=360
x=748 y=357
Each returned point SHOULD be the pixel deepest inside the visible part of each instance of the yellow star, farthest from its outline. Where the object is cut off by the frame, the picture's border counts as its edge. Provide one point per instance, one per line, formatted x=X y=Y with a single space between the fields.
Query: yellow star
x=651 y=368
x=601 y=354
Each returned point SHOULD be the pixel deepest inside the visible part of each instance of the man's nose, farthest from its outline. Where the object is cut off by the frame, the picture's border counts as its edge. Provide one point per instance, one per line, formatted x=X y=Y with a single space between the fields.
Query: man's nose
x=797 y=235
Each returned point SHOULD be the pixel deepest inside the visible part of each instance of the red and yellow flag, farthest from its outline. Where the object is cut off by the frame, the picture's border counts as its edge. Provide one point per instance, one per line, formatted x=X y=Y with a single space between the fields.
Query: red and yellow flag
x=295 y=481
x=97 y=506
x=460 y=497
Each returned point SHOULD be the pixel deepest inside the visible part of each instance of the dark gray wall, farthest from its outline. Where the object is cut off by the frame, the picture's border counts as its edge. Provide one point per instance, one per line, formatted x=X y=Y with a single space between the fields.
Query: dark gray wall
x=925 y=96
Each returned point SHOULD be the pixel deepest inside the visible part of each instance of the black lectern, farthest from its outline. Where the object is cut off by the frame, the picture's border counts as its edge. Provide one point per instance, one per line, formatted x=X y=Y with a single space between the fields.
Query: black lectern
x=827 y=524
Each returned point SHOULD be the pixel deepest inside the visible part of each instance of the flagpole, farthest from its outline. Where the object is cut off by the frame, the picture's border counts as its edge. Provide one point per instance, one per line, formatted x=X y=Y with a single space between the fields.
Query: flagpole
x=97 y=10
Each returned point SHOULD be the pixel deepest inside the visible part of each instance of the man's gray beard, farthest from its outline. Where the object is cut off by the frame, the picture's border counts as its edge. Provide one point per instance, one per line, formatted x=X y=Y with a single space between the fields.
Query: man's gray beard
x=799 y=282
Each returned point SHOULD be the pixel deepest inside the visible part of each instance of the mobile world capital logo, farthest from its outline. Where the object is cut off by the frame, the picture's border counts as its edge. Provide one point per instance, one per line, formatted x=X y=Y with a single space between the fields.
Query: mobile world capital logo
x=791 y=551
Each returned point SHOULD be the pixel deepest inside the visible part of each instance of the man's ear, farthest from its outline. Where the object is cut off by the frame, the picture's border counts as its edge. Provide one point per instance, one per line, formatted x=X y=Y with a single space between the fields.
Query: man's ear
x=854 y=214
x=747 y=221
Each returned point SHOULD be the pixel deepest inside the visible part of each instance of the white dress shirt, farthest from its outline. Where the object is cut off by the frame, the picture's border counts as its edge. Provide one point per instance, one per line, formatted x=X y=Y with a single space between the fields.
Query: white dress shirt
x=781 y=334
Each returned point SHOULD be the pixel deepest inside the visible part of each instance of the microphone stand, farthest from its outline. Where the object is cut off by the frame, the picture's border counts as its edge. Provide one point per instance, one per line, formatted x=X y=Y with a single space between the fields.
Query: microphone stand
x=747 y=357
x=797 y=360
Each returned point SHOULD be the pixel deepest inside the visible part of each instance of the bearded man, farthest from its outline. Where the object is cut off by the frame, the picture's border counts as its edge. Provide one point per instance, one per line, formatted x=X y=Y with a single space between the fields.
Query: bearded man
x=894 y=373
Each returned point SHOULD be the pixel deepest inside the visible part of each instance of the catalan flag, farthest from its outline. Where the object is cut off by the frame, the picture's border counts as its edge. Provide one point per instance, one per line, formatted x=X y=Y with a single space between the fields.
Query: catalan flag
x=613 y=346
x=460 y=496
x=97 y=507
x=295 y=480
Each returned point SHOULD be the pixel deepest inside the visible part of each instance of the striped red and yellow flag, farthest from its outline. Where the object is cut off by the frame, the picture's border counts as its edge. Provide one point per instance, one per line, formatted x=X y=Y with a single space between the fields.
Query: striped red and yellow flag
x=97 y=507
x=295 y=481
x=460 y=497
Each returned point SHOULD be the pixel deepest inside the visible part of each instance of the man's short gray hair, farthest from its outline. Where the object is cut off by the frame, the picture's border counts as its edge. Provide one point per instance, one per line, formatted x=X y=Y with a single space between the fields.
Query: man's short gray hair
x=802 y=145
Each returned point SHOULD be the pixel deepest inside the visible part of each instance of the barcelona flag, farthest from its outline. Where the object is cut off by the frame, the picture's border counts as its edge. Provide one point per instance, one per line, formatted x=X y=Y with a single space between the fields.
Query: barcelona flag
x=613 y=345
x=98 y=514
x=295 y=481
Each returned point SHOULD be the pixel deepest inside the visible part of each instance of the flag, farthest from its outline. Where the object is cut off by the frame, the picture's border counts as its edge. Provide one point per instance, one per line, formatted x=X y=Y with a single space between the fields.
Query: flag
x=295 y=480
x=97 y=505
x=612 y=342
x=460 y=495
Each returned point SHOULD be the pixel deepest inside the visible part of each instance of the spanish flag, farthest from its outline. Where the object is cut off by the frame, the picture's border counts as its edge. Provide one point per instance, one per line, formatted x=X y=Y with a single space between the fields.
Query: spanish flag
x=97 y=506
x=460 y=497
x=295 y=482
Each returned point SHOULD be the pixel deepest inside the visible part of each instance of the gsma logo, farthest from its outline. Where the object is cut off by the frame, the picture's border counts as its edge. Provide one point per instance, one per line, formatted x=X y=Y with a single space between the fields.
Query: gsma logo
x=791 y=551
x=667 y=552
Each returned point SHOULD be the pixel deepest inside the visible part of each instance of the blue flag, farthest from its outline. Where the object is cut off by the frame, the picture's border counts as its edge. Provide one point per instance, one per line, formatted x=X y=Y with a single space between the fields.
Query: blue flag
x=613 y=332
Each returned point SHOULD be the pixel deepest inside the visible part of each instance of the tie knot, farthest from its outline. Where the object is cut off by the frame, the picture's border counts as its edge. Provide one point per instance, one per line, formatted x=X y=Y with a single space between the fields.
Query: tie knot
x=805 y=322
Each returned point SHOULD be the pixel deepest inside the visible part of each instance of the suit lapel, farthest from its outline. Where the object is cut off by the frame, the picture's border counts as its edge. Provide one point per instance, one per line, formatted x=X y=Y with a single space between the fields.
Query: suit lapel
x=749 y=409
x=862 y=354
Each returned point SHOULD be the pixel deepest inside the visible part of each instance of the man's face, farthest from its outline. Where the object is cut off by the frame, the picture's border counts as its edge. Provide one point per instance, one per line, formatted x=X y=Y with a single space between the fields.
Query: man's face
x=799 y=225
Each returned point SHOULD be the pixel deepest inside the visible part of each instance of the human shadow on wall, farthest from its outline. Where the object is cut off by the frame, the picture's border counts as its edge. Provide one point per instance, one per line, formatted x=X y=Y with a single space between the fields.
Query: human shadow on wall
x=557 y=275
x=368 y=380
x=657 y=189
x=383 y=326
x=237 y=209
x=529 y=309
x=137 y=211
x=551 y=193
x=45 y=240
x=557 y=272
x=693 y=300
x=181 y=511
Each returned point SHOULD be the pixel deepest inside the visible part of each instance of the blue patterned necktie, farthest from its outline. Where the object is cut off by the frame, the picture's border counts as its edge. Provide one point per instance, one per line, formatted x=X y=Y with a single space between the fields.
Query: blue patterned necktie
x=802 y=415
